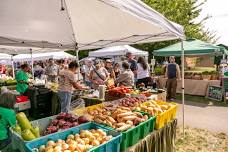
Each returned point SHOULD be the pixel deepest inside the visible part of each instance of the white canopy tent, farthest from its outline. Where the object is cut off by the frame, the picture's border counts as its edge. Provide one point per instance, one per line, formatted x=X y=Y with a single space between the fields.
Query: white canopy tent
x=43 y=56
x=92 y=24
x=117 y=51
x=83 y=24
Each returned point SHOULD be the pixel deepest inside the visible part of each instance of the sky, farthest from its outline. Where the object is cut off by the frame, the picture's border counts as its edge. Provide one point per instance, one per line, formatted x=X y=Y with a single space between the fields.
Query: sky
x=218 y=10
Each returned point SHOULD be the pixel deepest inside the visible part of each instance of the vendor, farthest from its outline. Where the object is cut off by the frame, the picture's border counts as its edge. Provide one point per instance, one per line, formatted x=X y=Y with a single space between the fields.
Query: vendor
x=22 y=79
x=68 y=81
x=52 y=71
x=126 y=78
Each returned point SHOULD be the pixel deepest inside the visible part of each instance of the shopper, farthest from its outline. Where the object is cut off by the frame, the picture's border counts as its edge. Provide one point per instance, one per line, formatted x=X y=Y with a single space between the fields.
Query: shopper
x=99 y=75
x=22 y=79
x=68 y=81
x=126 y=78
x=52 y=71
x=86 y=69
x=7 y=119
x=142 y=72
x=172 y=73
x=132 y=62
x=109 y=68
x=117 y=70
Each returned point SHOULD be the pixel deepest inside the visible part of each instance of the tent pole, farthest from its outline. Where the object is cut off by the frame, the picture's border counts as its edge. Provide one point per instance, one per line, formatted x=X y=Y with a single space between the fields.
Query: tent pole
x=32 y=64
x=182 y=78
x=77 y=59
x=13 y=70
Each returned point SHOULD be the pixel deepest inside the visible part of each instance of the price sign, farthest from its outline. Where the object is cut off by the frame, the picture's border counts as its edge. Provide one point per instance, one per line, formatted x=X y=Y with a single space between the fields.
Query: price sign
x=215 y=93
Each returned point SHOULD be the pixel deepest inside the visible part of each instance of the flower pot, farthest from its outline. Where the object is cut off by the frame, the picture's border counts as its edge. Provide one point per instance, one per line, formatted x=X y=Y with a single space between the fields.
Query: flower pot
x=206 y=77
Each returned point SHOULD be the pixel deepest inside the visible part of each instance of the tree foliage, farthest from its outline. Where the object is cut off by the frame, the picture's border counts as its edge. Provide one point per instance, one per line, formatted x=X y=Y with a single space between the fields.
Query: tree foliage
x=183 y=12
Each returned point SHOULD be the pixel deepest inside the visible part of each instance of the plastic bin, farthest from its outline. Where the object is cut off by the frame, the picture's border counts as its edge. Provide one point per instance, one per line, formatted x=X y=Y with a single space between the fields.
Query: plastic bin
x=82 y=111
x=111 y=146
x=167 y=116
x=18 y=143
x=132 y=136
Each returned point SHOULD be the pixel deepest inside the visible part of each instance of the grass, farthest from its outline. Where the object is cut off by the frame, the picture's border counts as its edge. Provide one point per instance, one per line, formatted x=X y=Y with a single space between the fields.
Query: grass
x=200 y=140
x=201 y=99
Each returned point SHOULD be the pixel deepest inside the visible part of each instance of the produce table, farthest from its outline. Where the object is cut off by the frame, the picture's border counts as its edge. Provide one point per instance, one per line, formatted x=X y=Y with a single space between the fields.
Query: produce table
x=162 y=140
x=192 y=87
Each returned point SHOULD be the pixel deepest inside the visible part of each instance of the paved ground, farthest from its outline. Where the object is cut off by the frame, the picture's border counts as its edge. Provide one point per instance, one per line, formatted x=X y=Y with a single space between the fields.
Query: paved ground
x=198 y=115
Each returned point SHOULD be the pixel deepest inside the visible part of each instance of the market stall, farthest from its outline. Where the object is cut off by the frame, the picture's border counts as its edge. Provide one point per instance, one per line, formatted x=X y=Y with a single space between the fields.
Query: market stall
x=138 y=119
x=192 y=47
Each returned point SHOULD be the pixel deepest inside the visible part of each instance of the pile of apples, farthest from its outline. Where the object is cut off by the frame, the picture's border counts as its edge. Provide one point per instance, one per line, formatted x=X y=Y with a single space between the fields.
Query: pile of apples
x=81 y=142
x=64 y=121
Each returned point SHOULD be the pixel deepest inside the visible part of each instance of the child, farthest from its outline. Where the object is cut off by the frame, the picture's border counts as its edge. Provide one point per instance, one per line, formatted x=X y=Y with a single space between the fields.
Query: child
x=7 y=118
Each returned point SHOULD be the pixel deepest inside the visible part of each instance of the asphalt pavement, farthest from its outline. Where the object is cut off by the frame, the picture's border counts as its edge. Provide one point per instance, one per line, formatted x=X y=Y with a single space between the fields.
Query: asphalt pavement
x=203 y=116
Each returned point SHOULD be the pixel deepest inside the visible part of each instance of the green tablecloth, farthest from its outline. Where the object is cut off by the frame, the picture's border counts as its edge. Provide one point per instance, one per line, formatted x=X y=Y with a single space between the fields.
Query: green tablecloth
x=162 y=140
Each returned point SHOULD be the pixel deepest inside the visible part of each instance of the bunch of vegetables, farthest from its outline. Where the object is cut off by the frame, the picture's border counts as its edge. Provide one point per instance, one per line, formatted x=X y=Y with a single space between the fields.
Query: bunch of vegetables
x=131 y=101
x=154 y=107
x=116 y=91
x=64 y=121
x=121 y=119
x=81 y=142
x=25 y=129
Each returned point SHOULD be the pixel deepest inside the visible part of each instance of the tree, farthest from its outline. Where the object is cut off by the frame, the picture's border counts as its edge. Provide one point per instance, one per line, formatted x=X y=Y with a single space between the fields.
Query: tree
x=183 y=12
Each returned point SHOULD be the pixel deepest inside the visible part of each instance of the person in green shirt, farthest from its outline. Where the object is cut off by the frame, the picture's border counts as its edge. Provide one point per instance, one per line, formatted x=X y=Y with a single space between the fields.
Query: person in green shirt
x=22 y=79
x=7 y=117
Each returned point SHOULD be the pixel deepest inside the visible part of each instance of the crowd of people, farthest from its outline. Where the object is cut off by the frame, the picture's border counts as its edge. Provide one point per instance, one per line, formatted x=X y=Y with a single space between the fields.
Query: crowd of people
x=129 y=72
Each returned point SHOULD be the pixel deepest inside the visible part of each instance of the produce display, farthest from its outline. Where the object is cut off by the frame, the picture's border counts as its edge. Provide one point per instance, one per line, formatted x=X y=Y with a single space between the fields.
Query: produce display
x=121 y=119
x=131 y=101
x=116 y=91
x=25 y=129
x=81 y=142
x=153 y=107
x=64 y=121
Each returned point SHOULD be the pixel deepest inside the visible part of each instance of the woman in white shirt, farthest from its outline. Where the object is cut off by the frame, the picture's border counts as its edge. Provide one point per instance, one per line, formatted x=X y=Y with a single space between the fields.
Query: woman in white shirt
x=142 y=71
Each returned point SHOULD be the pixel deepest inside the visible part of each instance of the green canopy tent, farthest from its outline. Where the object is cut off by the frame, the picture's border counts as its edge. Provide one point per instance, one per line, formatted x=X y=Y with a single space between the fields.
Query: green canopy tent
x=192 y=47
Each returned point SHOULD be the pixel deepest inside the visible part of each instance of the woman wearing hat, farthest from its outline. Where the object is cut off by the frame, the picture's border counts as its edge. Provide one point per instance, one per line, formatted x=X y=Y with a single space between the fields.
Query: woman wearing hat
x=99 y=75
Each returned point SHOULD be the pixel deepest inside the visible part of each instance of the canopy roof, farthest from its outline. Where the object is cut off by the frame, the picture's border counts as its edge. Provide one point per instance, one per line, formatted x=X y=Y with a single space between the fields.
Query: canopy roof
x=84 y=23
x=4 y=56
x=191 y=48
x=26 y=50
x=43 y=56
x=117 y=51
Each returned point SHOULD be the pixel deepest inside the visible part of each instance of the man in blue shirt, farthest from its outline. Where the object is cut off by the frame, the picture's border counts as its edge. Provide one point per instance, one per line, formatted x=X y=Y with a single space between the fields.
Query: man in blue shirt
x=172 y=73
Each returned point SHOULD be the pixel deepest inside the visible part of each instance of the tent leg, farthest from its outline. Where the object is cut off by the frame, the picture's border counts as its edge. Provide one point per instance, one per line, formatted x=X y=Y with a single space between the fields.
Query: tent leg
x=13 y=70
x=32 y=64
x=77 y=60
x=182 y=78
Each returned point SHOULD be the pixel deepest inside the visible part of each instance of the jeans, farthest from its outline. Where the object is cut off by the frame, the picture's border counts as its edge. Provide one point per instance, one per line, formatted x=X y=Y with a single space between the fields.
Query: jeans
x=65 y=100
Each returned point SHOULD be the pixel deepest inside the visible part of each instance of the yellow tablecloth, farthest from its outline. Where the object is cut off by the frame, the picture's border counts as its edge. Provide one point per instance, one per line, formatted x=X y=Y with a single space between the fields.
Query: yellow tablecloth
x=192 y=87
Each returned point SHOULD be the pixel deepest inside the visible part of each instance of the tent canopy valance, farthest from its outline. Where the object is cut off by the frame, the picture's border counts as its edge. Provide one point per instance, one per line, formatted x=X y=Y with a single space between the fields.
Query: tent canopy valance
x=192 y=47
x=92 y=24
x=117 y=51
